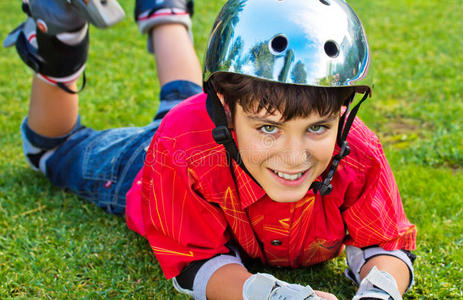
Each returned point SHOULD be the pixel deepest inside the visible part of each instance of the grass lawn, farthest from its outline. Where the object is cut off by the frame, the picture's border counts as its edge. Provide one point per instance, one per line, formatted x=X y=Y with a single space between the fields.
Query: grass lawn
x=53 y=245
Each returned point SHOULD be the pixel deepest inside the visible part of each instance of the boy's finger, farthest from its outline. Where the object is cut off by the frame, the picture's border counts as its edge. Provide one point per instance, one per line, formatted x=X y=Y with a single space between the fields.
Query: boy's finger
x=326 y=295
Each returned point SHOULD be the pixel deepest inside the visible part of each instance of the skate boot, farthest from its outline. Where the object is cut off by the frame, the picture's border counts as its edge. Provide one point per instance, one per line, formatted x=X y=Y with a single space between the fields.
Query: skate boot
x=150 y=13
x=100 y=13
x=53 y=42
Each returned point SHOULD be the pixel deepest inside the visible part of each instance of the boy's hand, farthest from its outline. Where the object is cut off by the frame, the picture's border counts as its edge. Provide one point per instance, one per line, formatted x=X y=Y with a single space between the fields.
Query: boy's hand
x=263 y=286
x=325 y=295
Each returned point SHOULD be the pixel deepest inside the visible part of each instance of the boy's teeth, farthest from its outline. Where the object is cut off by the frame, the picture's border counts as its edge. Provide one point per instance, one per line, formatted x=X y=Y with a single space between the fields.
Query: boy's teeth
x=288 y=176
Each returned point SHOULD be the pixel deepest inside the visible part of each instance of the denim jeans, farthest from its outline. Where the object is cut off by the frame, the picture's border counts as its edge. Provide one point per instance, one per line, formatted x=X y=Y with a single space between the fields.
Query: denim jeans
x=100 y=166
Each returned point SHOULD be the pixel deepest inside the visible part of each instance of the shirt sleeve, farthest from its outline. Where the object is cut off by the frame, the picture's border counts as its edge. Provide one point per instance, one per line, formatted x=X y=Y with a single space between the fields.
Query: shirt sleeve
x=180 y=225
x=375 y=216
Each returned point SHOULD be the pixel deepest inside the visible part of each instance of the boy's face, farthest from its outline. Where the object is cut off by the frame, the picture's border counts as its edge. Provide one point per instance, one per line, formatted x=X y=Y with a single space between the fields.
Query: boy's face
x=285 y=157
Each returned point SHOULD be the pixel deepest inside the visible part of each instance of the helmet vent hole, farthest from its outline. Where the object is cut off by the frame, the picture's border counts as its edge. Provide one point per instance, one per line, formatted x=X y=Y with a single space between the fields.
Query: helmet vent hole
x=279 y=44
x=325 y=2
x=331 y=49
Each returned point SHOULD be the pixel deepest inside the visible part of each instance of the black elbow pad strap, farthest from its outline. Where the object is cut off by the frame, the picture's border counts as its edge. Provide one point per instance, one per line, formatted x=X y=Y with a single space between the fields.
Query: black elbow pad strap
x=410 y=255
x=186 y=278
x=194 y=278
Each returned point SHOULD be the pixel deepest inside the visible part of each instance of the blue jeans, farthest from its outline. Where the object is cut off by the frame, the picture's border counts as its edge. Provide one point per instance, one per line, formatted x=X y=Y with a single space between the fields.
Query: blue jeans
x=100 y=166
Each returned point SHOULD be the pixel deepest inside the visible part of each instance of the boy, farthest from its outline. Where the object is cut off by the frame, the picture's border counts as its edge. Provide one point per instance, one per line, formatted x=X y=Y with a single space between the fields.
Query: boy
x=252 y=168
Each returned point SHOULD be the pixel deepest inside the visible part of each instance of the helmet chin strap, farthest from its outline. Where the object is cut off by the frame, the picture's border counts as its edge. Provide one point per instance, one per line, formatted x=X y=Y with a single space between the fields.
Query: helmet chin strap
x=221 y=133
x=325 y=187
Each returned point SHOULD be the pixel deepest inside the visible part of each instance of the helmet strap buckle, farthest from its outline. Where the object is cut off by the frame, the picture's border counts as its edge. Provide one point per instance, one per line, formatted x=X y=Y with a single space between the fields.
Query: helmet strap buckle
x=325 y=187
x=222 y=135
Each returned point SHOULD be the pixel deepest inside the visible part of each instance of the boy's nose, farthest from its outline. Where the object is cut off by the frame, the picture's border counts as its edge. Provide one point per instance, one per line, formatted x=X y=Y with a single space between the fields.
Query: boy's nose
x=295 y=154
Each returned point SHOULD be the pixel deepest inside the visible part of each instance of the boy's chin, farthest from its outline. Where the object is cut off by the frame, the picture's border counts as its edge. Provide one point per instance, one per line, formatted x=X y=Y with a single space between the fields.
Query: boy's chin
x=287 y=197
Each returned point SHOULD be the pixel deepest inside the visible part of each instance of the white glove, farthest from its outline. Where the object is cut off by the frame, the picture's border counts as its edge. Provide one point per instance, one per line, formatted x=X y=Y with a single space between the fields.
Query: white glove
x=263 y=286
x=378 y=285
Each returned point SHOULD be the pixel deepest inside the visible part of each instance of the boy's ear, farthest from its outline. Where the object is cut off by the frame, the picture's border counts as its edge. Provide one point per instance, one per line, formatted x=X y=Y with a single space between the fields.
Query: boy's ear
x=221 y=98
x=227 y=110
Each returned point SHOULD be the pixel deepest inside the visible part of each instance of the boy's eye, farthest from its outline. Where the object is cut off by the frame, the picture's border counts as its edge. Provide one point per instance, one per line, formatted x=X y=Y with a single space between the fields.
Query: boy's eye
x=317 y=128
x=269 y=129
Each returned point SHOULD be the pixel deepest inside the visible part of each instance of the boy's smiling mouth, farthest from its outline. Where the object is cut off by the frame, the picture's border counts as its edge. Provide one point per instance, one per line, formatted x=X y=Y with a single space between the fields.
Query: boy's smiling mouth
x=293 y=177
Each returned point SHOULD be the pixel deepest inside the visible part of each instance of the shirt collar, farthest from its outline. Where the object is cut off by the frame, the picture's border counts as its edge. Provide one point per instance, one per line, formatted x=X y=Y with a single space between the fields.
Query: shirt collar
x=249 y=191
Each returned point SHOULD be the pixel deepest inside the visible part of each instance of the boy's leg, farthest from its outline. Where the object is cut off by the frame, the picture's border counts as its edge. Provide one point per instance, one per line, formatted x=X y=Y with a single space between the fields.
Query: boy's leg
x=179 y=71
x=104 y=163
x=101 y=165
x=52 y=111
x=176 y=58
x=53 y=42
x=167 y=24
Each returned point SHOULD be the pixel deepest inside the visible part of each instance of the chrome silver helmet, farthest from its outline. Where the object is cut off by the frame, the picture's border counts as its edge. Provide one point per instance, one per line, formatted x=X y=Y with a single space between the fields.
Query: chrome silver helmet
x=309 y=42
x=318 y=43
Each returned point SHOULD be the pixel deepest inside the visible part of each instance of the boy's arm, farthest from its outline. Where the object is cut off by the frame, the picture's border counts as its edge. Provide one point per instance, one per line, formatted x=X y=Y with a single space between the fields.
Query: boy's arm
x=224 y=277
x=376 y=221
x=227 y=282
x=234 y=282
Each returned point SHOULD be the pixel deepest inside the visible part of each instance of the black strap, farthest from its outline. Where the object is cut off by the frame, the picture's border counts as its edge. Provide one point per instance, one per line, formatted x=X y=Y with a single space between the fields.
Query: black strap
x=221 y=133
x=188 y=274
x=351 y=117
x=67 y=89
x=342 y=120
x=324 y=187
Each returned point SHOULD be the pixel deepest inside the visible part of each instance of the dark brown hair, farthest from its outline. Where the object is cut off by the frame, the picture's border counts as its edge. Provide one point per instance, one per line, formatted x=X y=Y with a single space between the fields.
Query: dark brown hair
x=291 y=100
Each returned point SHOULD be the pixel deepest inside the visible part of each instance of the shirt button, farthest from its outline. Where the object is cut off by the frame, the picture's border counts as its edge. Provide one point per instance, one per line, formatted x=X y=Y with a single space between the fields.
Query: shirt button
x=276 y=243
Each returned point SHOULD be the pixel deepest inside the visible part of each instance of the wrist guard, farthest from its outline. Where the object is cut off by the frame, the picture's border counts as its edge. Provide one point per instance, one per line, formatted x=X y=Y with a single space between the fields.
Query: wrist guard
x=378 y=285
x=263 y=286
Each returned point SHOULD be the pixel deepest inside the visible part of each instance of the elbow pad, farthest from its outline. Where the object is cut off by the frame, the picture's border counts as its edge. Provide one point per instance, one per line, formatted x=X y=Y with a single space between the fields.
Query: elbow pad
x=263 y=286
x=357 y=257
x=194 y=277
x=378 y=285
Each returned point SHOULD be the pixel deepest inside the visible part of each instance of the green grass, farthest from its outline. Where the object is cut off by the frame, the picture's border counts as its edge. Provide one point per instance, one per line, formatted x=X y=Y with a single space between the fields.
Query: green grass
x=53 y=245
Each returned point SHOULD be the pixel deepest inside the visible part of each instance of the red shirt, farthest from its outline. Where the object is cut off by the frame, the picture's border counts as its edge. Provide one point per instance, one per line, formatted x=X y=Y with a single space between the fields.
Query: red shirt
x=186 y=202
